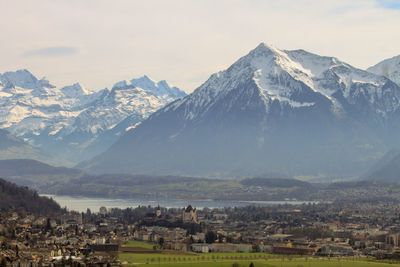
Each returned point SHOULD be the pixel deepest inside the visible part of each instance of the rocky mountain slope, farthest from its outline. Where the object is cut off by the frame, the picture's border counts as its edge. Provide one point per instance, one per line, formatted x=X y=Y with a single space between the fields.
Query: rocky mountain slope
x=12 y=147
x=272 y=111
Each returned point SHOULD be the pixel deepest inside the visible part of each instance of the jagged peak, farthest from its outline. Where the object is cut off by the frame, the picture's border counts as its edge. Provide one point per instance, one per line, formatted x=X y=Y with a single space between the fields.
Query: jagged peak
x=19 y=72
x=120 y=85
x=144 y=82
x=266 y=47
x=143 y=78
x=266 y=50
x=23 y=78
x=160 y=88
x=74 y=90
x=164 y=83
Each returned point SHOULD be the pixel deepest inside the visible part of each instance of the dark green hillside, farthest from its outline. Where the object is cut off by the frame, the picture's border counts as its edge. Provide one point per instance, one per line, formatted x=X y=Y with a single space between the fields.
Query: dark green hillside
x=18 y=198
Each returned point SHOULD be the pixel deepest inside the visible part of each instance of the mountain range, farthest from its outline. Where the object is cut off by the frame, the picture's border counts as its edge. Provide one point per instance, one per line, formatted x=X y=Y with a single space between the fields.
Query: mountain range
x=72 y=123
x=293 y=113
x=273 y=112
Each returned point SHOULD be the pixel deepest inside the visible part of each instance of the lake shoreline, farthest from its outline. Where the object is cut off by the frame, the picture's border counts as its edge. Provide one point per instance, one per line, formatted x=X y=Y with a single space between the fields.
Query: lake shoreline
x=82 y=203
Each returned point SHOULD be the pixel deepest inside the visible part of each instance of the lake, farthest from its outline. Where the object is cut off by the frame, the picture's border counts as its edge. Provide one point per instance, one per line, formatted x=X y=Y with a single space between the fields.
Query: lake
x=83 y=203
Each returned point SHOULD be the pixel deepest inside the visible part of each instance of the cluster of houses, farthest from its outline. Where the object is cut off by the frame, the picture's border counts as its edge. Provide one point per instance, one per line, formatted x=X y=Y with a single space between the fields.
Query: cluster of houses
x=293 y=234
x=94 y=238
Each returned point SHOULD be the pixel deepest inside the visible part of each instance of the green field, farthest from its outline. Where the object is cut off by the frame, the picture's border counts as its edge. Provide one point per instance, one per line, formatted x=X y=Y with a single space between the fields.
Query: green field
x=243 y=259
x=139 y=244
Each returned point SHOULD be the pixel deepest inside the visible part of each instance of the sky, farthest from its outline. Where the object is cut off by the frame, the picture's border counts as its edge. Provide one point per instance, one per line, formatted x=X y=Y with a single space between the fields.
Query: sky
x=100 y=42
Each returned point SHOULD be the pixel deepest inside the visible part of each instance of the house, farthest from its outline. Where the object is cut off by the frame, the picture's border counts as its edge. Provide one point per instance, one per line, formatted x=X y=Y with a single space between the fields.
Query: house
x=189 y=214
x=158 y=211
x=335 y=250
x=200 y=248
x=393 y=239
x=103 y=211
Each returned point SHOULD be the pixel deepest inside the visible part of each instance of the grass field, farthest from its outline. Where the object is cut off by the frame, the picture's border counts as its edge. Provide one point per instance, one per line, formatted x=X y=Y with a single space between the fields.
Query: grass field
x=139 y=244
x=243 y=259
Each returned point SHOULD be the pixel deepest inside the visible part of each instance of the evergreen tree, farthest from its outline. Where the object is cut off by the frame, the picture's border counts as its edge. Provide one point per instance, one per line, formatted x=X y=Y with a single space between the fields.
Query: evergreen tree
x=3 y=262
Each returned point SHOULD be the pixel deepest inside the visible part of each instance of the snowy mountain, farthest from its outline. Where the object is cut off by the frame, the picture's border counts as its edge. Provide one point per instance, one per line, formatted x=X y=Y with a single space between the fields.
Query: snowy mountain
x=272 y=111
x=115 y=111
x=13 y=148
x=389 y=68
x=161 y=88
x=65 y=121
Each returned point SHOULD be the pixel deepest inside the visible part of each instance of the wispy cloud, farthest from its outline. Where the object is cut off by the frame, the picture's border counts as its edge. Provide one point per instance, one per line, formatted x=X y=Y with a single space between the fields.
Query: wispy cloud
x=53 y=51
x=392 y=4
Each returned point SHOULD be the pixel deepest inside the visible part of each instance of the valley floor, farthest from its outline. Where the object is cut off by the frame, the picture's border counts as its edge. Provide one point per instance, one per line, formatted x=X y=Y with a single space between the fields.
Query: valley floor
x=242 y=259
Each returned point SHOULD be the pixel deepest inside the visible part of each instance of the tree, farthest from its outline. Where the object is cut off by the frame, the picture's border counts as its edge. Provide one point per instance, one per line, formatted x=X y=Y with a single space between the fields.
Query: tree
x=161 y=242
x=3 y=262
x=210 y=237
x=48 y=224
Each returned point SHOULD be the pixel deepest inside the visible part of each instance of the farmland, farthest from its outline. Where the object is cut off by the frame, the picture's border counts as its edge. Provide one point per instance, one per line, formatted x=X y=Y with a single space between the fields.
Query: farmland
x=167 y=259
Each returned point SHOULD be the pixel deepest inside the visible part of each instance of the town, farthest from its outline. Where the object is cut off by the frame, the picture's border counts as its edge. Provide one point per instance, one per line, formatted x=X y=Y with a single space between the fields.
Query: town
x=113 y=237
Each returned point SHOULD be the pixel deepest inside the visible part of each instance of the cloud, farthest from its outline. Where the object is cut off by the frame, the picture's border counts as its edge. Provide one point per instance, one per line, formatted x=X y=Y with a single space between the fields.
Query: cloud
x=185 y=41
x=52 y=51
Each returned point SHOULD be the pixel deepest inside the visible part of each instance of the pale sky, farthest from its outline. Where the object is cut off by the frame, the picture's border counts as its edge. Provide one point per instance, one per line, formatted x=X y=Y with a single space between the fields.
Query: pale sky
x=99 y=42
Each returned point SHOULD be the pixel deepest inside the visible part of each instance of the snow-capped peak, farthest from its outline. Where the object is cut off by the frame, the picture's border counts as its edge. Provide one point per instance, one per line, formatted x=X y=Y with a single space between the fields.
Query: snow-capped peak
x=264 y=48
x=121 y=85
x=161 y=88
x=300 y=66
x=75 y=90
x=389 y=68
x=72 y=117
x=23 y=78
x=293 y=78
x=144 y=82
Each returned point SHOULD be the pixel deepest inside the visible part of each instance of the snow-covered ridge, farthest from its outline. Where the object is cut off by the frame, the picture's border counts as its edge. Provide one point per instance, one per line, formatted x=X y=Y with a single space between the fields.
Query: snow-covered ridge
x=23 y=78
x=75 y=90
x=292 y=78
x=37 y=111
x=161 y=88
x=389 y=68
